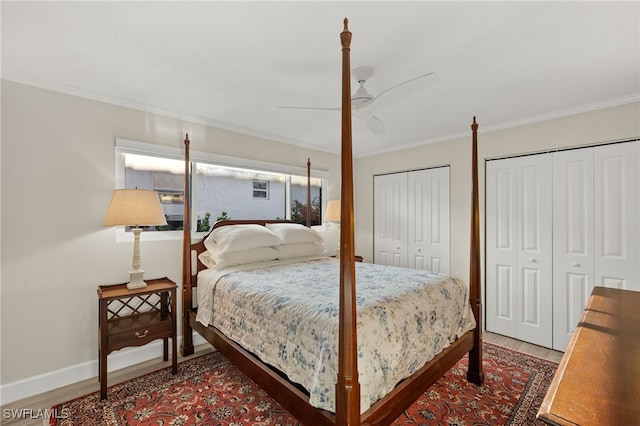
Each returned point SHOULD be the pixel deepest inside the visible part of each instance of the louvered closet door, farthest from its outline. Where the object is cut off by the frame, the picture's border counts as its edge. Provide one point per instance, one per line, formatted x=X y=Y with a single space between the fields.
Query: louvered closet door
x=390 y=219
x=617 y=215
x=519 y=248
x=573 y=240
x=428 y=220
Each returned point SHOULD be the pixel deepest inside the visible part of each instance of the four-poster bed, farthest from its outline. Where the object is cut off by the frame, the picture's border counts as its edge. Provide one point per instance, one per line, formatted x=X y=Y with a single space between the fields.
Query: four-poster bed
x=347 y=393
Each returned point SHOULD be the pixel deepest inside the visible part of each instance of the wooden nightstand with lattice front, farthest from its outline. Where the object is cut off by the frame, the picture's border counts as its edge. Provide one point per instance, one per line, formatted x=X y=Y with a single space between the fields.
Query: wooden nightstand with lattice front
x=135 y=318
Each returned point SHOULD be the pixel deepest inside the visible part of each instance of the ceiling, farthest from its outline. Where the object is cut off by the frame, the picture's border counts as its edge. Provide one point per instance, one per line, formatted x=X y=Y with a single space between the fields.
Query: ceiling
x=232 y=64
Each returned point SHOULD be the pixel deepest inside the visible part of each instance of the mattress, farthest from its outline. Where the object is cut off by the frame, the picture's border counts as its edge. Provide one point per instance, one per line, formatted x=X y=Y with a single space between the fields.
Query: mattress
x=286 y=313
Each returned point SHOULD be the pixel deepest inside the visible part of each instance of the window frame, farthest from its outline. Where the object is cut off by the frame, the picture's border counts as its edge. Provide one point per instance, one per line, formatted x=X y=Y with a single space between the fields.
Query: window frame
x=264 y=191
x=126 y=146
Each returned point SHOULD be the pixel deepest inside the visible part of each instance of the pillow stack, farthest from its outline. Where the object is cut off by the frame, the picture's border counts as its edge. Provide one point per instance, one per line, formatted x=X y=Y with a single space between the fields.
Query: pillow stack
x=241 y=244
x=297 y=240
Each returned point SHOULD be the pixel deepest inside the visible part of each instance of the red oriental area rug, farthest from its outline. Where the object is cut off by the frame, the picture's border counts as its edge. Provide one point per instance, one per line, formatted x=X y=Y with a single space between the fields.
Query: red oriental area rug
x=208 y=390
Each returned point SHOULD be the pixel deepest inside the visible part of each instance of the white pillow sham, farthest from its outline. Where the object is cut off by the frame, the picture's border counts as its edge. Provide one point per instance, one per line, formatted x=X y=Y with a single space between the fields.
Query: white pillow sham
x=291 y=233
x=240 y=237
x=240 y=257
x=288 y=251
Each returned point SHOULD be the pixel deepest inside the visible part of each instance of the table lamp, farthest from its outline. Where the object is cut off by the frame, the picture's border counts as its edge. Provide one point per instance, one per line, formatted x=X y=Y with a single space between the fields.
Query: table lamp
x=135 y=207
x=332 y=214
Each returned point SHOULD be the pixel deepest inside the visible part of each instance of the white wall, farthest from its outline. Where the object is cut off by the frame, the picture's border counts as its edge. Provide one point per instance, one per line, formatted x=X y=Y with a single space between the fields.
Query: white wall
x=58 y=173
x=610 y=124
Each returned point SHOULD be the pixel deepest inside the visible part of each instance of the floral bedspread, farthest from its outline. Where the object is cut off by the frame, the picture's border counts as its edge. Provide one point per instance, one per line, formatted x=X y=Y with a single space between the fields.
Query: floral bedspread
x=287 y=314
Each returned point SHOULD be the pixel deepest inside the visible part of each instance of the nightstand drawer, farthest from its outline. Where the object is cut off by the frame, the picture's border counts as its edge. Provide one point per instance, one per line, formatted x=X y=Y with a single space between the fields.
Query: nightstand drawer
x=139 y=337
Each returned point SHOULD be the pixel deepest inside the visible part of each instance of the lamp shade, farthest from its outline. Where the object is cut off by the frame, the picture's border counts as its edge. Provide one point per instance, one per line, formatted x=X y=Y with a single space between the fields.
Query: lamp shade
x=332 y=213
x=131 y=207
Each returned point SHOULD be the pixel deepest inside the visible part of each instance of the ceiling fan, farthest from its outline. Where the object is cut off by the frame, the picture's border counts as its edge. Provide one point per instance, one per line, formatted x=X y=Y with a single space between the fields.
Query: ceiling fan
x=362 y=98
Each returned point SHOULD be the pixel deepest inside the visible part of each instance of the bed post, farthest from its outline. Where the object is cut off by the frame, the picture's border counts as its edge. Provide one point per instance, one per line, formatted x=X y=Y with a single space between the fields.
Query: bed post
x=187 y=291
x=308 y=192
x=347 y=387
x=474 y=372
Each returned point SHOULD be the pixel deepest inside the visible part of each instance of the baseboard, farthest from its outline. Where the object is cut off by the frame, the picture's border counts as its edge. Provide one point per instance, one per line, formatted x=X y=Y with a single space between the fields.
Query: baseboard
x=46 y=382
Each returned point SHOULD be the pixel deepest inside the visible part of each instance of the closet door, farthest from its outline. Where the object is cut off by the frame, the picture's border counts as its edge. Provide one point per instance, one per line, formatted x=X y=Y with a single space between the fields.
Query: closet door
x=428 y=220
x=573 y=240
x=535 y=257
x=390 y=219
x=519 y=248
x=617 y=212
x=501 y=254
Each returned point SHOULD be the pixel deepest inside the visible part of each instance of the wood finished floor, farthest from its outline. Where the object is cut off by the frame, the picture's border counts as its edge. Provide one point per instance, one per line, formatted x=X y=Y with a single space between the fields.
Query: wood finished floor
x=46 y=400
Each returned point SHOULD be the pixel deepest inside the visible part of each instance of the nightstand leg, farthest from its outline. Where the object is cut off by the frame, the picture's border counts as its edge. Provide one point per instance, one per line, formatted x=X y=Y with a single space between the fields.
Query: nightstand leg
x=102 y=348
x=174 y=334
x=165 y=349
x=174 y=355
x=103 y=375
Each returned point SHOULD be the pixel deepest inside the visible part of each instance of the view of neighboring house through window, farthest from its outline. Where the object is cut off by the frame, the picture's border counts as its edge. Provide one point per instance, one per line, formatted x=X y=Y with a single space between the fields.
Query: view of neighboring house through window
x=230 y=193
x=222 y=192
x=164 y=175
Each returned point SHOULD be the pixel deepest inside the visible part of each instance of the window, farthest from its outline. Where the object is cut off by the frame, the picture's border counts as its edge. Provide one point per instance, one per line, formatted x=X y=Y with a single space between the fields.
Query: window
x=222 y=187
x=164 y=175
x=230 y=193
x=299 y=200
x=260 y=189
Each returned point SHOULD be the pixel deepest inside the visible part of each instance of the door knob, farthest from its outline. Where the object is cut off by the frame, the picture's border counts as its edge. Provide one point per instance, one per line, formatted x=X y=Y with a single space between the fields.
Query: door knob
x=575 y=264
x=532 y=259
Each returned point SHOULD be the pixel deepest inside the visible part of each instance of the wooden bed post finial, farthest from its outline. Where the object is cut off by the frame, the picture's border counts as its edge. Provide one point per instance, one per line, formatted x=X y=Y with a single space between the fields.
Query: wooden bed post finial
x=345 y=35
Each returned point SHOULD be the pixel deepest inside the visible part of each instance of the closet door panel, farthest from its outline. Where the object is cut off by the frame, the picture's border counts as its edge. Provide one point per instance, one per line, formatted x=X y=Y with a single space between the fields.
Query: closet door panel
x=534 y=253
x=418 y=220
x=501 y=256
x=390 y=219
x=428 y=221
x=573 y=239
x=617 y=209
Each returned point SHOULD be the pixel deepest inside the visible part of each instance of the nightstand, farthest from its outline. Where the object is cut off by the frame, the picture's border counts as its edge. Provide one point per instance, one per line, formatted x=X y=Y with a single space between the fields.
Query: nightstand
x=135 y=318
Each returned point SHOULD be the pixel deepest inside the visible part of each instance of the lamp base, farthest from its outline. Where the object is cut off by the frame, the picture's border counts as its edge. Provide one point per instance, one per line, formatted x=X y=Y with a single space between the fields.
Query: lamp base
x=135 y=280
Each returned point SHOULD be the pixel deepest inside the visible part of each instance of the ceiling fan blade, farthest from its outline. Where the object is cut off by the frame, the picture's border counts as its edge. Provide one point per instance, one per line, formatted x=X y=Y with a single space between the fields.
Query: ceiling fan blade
x=373 y=123
x=406 y=88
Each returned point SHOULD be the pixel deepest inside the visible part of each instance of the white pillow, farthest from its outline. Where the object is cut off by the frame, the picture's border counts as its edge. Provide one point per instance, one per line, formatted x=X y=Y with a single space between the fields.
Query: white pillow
x=207 y=259
x=291 y=233
x=288 y=251
x=240 y=257
x=240 y=237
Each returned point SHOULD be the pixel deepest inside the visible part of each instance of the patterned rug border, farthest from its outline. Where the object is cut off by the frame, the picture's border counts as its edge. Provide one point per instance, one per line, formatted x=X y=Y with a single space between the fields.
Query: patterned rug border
x=540 y=369
x=161 y=370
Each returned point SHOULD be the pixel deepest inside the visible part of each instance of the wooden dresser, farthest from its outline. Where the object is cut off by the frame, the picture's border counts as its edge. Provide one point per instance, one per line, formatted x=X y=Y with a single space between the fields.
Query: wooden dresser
x=598 y=380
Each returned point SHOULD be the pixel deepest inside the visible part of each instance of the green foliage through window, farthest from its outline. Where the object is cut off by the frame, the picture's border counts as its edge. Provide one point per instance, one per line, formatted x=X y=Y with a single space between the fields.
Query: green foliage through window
x=299 y=212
